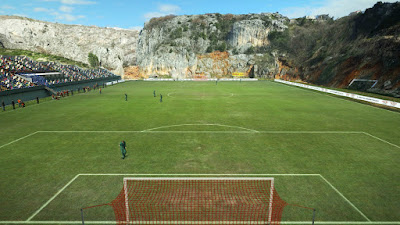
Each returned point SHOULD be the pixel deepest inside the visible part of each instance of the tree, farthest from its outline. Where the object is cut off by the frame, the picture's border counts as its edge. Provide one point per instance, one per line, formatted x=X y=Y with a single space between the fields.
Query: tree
x=93 y=60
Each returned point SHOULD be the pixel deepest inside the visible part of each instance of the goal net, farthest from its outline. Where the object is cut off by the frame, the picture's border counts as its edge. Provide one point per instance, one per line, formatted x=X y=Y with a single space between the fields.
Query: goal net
x=362 y=84
x=198 y=201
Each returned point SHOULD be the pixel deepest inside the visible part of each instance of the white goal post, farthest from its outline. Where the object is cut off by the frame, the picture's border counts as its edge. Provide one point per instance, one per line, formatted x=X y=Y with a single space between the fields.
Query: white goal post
x=191 y=181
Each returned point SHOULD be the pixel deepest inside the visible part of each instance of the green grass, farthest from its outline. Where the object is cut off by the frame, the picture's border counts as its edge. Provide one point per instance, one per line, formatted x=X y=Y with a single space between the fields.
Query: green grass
x=364 y=169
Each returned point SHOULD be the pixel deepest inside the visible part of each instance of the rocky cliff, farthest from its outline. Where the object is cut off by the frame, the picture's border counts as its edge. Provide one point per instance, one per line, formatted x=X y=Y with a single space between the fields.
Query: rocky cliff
x=212 y=45
x=320 y=51
x=335 y=52
x=114 y=47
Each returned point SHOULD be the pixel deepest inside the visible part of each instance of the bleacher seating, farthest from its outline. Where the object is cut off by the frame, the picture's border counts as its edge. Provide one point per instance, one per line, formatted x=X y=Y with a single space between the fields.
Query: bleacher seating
x=11 y=65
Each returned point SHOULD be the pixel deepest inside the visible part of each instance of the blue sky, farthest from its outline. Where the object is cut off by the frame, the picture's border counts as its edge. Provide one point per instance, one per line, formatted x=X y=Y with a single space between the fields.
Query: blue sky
x=131 y=14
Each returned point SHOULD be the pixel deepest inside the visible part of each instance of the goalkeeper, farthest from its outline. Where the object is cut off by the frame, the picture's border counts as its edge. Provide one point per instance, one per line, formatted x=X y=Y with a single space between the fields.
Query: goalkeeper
x=122 y=146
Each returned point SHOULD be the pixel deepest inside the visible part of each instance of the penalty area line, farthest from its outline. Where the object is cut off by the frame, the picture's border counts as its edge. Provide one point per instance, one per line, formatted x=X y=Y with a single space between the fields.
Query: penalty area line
x=19 y=139
x=347 y=200
x=52 y=198
x=380 y=139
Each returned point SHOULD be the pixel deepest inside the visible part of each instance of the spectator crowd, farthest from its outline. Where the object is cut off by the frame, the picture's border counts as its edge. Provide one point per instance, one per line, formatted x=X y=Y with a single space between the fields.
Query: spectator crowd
x=11 y=65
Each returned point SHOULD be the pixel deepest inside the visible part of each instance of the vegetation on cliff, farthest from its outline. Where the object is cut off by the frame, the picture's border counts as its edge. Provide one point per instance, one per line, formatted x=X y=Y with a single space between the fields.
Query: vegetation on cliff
x=213 y=29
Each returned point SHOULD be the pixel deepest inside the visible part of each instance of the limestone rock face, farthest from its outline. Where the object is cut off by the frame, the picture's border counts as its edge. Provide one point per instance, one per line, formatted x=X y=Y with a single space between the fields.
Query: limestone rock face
x=249 y=33
x=113 y=47
x=182 y=46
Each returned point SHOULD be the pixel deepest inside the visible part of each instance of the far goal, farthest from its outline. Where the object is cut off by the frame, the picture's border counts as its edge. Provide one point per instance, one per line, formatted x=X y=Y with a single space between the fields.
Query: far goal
x=198 y=201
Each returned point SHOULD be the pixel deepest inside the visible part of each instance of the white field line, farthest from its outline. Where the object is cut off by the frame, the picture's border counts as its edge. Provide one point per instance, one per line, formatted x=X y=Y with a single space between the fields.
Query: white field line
x=19 y=139
x=283 y=222
x=205 y=131
x=337 y=97
x=380 y=139
x=52 y=198
x=170 y=95
x=336 y=190
x=249 y=131
x=149 y=131
x=62 y=189
x=199 y=132
x=347 y=200
x=73 y=179
x=90 y=131
x=311 y=132
x=219 y=125
x=189 y=174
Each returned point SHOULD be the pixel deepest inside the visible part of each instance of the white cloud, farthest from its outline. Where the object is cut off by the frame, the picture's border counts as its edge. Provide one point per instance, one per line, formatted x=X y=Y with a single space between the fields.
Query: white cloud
x=66 y=9
x=77 y=2
x=153 y=14
x=335 y=8
x=163 y=10
x=169 y=9
x=5 y=7
x=21 y=15
x=41 y=10
x=63 y=14
x=72 y=2
x=138 y=28
x=69 y=17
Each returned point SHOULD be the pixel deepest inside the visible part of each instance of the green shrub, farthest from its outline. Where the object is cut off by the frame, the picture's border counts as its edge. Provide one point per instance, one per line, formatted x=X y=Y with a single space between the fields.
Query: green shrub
x=156 y=22
x=222 y=47
x=250 y=51
x=93 y=60
x=177 y=33
x=280 y=40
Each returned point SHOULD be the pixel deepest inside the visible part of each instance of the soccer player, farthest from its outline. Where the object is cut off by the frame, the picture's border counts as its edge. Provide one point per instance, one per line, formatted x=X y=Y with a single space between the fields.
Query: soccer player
x=122 y=146
x=37 y=100
x=126 y=97
x=100 y=90
x=160 y=97
x=154 y=93
x=3 y=105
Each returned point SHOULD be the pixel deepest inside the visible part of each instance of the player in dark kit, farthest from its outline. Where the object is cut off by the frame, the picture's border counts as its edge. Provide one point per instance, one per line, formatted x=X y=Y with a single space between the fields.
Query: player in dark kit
x=122 y=147
x=126 y=97
x=154 y=93
x=160 y=97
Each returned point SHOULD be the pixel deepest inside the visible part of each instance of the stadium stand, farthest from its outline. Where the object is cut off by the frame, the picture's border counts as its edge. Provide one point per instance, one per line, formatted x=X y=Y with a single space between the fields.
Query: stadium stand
x=22 y=72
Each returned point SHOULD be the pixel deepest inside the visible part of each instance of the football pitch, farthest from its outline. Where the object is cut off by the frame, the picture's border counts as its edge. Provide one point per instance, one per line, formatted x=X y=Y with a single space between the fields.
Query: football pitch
x=337 y=156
